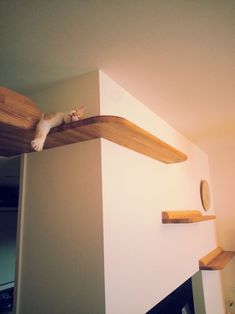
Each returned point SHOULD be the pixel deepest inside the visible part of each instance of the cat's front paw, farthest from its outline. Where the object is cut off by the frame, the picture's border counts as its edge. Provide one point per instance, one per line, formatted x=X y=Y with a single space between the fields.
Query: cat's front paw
x=37 y=144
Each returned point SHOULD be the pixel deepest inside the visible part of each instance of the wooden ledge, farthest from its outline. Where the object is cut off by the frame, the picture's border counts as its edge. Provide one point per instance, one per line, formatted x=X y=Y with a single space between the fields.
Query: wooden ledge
x=15 y=140
x=118 y=130
x=19 y=115
x=184 y=216
x=17 y=110
x=216 y=259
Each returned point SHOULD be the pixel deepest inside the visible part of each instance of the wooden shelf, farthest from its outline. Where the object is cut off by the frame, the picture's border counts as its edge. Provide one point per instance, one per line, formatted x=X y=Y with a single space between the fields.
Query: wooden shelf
x=17 y=110
x=184 y=216
x=216 y=259
x=15 y=136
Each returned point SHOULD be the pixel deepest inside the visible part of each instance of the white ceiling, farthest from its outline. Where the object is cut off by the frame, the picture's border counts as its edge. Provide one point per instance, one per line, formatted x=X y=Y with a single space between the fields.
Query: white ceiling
x=176 y=56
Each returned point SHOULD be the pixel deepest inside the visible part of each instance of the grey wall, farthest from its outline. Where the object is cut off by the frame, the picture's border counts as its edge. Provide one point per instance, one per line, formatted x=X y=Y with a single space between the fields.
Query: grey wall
x=61 y=255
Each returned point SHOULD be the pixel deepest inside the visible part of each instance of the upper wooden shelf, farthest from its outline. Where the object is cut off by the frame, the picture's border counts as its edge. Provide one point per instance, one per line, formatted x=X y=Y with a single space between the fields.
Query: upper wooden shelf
x=17 y=110
x=17 y=133
x=216 y=259
x=184 y=216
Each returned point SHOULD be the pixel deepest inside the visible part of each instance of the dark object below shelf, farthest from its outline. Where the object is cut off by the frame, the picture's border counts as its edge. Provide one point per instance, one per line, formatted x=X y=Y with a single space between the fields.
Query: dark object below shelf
x=6 y=300
x=177 y=301
x=9 y=196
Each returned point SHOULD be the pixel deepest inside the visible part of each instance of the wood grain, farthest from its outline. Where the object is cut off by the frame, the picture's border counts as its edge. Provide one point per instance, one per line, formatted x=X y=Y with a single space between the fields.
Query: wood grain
x=205 y=194
x=216 y=259
x=184 y=216
x=115 y=129
x=17 y=110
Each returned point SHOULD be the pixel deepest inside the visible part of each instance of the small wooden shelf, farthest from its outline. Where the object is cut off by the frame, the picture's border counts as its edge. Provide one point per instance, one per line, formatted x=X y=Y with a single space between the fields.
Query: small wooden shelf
x=16 y=132
x=216 y=259
x=184 y=216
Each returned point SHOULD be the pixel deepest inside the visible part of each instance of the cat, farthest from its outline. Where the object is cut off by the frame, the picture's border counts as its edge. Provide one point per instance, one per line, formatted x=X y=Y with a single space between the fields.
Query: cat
x=51 y=120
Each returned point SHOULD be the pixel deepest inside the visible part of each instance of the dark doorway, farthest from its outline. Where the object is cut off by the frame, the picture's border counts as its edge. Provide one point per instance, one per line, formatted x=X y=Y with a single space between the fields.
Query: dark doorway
x=9 y=195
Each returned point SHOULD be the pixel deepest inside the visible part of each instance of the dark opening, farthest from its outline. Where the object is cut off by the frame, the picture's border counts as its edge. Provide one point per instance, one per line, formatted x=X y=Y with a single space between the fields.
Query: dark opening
x=180 y=301
x=9 y=194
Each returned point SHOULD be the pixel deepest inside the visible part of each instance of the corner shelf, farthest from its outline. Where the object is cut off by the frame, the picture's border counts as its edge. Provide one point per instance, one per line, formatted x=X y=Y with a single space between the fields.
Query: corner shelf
x=216 y=259
x=184 y=216
x=16 y=132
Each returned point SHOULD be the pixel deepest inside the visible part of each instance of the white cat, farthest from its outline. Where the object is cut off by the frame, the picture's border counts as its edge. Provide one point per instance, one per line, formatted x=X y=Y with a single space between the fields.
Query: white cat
x=51 y=120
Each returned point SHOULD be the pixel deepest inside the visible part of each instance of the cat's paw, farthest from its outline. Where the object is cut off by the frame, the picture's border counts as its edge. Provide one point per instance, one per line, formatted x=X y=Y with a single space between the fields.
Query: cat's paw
x=37 y=144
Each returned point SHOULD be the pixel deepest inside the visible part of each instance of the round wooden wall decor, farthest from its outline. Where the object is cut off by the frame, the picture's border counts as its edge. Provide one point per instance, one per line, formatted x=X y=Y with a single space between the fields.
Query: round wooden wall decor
x=205 y=194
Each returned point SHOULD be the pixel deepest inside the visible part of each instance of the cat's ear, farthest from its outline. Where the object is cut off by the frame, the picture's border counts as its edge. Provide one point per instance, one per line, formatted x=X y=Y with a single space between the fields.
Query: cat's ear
x=81 y=110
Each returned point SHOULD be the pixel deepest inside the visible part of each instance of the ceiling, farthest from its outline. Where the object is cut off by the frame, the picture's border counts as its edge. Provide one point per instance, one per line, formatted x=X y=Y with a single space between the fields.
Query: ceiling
x=176 y=56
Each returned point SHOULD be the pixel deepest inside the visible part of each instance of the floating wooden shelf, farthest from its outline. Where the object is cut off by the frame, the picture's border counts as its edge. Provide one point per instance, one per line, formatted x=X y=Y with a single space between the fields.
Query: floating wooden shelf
x=15 y=136
x=184 y=216
x=17 y=110
x=216 y=259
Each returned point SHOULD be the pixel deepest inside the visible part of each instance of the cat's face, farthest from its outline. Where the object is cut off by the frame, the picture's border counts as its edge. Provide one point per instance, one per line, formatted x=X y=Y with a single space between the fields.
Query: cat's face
x=77 y=114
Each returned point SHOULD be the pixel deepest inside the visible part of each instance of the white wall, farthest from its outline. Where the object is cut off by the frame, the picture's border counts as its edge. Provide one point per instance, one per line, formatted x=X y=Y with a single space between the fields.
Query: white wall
x=70 y=94
x=198 y=293
x=61 y=241
x=145 y=260
x=61 y=257
x=137 y=259
x=213 y=294
x=222 y=171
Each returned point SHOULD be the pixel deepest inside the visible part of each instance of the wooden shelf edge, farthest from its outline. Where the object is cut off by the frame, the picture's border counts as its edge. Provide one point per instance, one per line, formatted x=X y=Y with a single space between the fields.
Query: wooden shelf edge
x=19 y=115
x=14 y=140
x=184 y=216
x=16 y=110
x=216 y=259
